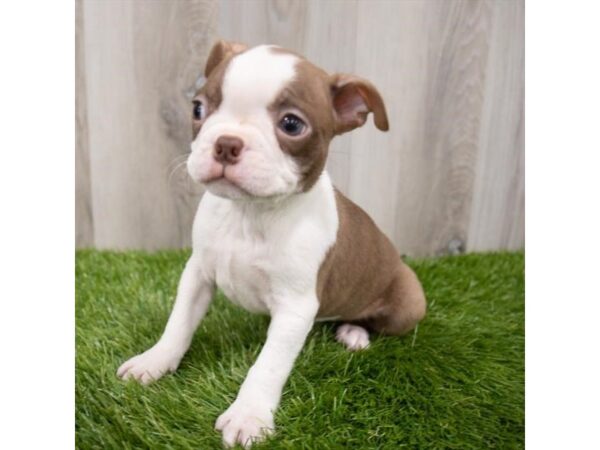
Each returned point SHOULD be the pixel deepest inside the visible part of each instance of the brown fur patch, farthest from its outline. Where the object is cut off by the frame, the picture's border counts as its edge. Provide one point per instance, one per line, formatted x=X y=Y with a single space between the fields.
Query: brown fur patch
x=333 y=104
x=210 y=94
x=363 y=278
x=309 y=93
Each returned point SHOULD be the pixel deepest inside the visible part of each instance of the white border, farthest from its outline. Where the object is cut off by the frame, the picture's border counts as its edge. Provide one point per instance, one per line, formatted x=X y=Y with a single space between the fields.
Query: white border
x=37 y=225
x=562 y=225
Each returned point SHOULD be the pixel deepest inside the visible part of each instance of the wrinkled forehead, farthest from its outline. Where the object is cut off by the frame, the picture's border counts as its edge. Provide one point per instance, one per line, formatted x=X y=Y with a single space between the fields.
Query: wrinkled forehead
x=254 y=78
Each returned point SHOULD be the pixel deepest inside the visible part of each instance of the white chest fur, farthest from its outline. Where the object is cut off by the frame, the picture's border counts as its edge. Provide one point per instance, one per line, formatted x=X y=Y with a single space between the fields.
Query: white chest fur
x=262 y=254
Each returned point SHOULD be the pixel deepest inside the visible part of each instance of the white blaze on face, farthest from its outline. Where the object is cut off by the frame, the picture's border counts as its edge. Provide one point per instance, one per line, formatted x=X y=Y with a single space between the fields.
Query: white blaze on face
x=251 y=83
x=253 y=80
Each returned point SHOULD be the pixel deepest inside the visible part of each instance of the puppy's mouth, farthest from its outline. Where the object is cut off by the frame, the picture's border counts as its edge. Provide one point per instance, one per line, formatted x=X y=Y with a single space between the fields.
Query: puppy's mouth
x=219 y=174
x=223 y=177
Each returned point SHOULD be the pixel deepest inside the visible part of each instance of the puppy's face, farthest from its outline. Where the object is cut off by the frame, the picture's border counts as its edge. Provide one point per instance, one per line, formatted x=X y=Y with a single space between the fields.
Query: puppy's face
x=264 y=119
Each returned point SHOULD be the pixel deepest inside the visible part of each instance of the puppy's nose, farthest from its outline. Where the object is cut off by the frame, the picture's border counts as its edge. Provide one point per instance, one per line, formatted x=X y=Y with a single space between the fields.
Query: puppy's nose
x=228 y=149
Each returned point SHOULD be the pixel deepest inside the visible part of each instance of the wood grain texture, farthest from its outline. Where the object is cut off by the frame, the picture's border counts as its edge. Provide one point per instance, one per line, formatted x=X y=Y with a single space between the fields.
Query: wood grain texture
x=446 y=178
x=425 y=164
x=142 y=60
x=84 y=221
x=498 y=212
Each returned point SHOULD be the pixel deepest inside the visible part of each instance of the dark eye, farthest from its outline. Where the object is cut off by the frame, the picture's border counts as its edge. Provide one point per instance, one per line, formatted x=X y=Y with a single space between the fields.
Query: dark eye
x=198 y=110
x=292 y=125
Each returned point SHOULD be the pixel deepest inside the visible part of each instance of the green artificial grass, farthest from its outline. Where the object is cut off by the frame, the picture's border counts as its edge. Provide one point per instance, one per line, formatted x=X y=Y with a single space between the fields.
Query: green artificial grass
x=457 y=382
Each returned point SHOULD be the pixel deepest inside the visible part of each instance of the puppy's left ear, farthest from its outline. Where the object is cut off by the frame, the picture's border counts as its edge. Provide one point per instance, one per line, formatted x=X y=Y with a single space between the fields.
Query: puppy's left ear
x=220 y=51
x=353 y=99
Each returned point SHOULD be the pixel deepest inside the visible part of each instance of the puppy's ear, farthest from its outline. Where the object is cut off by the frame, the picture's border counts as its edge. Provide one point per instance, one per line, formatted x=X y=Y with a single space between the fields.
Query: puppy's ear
x=353 y=99
x=220 y=51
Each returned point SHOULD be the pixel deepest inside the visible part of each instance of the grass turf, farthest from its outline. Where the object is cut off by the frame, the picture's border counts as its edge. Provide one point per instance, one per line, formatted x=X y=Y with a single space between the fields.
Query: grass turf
x=457 y=382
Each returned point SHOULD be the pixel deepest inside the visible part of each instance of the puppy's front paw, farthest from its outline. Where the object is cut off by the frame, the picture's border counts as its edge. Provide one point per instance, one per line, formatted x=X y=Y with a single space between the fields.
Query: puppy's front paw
x=245 y=424
x=150 y=365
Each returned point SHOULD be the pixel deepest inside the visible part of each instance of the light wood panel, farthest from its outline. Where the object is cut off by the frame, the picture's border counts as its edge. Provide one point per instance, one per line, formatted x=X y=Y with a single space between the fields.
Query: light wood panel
x=447 y=177
x=84 y=221
x=434 y=90
x=142 y=60
x=498 y=213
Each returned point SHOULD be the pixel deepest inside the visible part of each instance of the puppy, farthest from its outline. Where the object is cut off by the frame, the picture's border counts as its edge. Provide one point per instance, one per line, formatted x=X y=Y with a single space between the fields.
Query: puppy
x=272 y=232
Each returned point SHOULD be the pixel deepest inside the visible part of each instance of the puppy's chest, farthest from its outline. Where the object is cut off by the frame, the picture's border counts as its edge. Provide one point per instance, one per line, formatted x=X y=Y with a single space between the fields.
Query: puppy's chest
x=243 y=267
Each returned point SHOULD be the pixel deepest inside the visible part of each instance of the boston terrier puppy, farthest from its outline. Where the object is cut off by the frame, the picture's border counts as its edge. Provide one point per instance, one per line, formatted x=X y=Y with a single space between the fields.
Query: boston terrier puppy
x=272 y=232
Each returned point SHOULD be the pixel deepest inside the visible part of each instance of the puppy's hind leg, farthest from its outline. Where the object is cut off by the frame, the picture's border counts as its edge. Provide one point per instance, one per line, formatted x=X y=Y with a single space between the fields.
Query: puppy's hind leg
x=404 y=305
x=354 y=337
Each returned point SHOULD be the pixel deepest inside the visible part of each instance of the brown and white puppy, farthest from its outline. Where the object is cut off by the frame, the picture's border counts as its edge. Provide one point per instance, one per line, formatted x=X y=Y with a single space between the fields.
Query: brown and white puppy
x=272 y=232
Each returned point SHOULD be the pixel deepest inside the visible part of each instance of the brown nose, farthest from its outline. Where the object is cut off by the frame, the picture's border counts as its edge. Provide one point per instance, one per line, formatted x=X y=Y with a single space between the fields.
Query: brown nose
x=228 y=149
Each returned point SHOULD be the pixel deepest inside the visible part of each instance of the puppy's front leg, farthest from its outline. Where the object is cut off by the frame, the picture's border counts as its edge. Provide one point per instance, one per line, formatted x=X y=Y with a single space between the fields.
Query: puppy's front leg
x=250 y=417
x=193 y=297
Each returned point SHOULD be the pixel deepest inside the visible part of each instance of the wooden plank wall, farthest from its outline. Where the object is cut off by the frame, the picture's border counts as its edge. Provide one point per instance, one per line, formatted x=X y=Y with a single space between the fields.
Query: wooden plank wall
x=447 y=177
x=140 y=62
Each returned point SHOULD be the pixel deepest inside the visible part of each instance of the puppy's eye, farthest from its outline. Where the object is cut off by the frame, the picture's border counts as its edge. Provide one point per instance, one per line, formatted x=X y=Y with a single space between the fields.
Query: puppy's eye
x=292 y=125
x=198 y=110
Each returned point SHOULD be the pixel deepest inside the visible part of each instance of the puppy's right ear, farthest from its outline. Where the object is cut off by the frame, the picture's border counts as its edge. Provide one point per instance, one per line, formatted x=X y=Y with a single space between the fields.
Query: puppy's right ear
x=220 y=51
x=353 y=99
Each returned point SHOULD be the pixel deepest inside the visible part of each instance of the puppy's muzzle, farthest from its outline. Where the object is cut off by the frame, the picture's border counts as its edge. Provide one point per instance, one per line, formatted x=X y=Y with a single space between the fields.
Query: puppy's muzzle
x=228 y=149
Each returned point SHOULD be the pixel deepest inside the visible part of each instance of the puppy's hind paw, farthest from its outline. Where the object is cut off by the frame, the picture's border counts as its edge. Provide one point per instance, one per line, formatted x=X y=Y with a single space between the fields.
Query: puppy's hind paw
x=353 y=337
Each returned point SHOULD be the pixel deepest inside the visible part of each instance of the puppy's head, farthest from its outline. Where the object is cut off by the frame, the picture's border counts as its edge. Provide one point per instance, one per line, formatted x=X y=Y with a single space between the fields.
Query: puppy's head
x=264 y=119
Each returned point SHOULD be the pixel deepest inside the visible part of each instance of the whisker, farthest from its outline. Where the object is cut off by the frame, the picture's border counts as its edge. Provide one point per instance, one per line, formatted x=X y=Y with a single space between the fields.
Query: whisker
x=177 y=159
x=177 y=167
